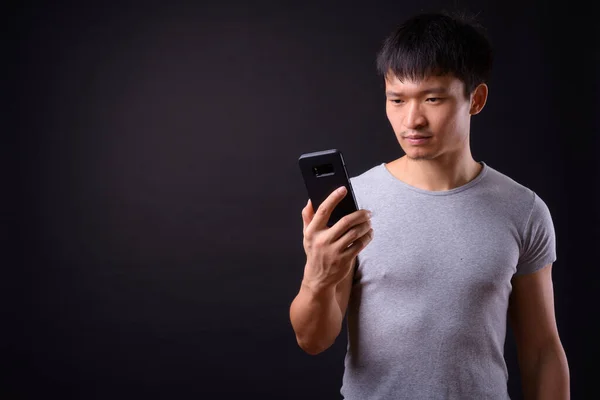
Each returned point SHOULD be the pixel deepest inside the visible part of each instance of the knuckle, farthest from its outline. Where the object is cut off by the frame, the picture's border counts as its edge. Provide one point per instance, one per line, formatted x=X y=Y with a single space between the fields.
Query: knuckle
x=323 y=209
x=336 y=261
x=319 y=242
x=353 y=234
x=345 y=222
x=308 y=235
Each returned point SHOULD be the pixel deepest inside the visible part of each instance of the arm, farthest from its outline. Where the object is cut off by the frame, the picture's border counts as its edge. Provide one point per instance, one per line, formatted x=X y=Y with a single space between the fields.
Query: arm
x=541 y=357
x=316 y=314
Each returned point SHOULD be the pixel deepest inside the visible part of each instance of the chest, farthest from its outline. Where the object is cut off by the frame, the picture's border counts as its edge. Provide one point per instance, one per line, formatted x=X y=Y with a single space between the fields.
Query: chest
x=470 y=250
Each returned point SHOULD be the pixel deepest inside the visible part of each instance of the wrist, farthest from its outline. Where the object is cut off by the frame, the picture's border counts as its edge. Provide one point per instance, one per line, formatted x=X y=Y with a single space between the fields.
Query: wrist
x=316 y=288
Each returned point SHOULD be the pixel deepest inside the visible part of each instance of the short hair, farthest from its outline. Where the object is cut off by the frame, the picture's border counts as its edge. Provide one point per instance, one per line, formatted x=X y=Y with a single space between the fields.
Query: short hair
x=438 y=43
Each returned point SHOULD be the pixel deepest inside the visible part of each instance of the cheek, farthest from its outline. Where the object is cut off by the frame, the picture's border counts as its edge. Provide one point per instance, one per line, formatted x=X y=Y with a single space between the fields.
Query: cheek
x=457 y=124
x=448 y=122
x=394 y=113
x=394 y=118
x=389 y=113
x=449 y=125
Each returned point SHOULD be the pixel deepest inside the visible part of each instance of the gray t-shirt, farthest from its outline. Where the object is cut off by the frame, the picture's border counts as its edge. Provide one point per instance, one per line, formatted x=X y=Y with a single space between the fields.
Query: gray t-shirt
x=428 y=307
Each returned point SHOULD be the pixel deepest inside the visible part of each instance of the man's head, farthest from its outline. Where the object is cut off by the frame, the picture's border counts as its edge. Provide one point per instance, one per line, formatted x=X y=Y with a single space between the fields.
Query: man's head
x=435 y=68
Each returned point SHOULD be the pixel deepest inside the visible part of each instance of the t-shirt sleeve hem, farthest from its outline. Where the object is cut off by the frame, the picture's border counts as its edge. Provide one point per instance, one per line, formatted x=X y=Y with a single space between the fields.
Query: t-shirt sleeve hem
x=525 y=269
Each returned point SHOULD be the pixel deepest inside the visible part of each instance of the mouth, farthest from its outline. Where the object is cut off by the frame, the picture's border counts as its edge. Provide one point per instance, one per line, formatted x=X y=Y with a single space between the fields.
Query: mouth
x=417 y=139
x=416 y=136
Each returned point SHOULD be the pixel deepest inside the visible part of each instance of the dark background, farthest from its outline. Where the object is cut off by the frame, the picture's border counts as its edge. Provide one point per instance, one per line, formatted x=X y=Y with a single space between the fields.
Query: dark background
x=154 y=236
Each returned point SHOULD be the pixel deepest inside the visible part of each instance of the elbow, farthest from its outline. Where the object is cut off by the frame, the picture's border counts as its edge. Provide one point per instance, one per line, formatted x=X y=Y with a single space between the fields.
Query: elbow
x=312 y=349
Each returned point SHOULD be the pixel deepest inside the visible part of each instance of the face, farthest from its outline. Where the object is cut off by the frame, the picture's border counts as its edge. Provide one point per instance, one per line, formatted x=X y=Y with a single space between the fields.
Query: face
x=434 y=109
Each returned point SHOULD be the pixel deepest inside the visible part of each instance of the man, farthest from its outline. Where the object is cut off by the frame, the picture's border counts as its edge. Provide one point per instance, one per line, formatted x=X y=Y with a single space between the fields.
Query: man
x=452 y=247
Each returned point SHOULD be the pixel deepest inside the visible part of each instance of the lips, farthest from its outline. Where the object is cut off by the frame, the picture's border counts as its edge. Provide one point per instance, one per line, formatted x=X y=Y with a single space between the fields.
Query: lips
x=417 y=140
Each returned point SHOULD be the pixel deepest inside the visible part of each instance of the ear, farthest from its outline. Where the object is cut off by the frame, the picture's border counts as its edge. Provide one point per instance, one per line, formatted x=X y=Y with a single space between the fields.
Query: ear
x=478 y=99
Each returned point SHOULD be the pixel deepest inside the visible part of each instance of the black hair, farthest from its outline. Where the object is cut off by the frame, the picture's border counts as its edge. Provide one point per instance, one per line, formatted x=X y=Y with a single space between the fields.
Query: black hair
x=438 y=44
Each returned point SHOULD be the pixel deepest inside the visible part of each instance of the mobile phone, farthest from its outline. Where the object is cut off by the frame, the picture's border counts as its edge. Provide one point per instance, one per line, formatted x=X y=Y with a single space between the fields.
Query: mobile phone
x=323 y=172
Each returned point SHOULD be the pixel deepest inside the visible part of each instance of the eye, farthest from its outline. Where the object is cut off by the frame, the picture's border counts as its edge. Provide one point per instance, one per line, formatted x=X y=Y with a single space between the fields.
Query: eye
x=396 y=101
x=434 y=99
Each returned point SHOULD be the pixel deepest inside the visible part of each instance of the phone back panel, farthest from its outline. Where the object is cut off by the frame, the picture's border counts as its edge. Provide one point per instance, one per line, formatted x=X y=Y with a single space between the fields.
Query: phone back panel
x=324 y=172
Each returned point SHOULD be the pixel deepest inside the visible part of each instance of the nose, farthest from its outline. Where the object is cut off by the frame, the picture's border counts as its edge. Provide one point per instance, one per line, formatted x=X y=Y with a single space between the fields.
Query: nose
x=414 y=118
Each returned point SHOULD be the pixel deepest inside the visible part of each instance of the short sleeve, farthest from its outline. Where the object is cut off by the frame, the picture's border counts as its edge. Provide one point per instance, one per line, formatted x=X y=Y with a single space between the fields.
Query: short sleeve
x=539 y=239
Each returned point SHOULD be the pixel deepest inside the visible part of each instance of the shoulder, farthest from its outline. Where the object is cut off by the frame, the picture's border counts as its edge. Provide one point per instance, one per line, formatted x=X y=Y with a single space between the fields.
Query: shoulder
x=508 y=194
x=530 y=210
x=505 y=186
x=366 y=184
x=366 y=175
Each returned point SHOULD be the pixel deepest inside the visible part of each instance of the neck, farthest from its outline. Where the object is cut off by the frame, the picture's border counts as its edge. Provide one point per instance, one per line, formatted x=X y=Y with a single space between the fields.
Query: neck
x=439 y=174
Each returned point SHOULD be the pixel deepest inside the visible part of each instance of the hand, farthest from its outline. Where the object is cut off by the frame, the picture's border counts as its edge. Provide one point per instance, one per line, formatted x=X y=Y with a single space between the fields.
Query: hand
x=330 y=251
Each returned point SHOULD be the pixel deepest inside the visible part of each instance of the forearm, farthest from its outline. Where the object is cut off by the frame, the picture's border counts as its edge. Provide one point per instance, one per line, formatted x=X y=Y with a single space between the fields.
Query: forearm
x=547 y=377
x=316 y=318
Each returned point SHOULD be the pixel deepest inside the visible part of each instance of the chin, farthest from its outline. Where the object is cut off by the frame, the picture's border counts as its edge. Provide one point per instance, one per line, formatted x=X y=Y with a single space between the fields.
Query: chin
x=419 y=154
x=420 y=157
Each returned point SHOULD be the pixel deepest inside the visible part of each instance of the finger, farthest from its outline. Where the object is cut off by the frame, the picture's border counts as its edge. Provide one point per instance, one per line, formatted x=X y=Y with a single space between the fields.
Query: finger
x=358 y=245
x=348 y=222
x=307 y=214
x=324 y=211
x=357 y=232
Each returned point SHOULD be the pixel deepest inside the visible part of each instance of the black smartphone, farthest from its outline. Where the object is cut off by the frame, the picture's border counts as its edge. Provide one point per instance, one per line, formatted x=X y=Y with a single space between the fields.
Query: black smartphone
x=323 y=172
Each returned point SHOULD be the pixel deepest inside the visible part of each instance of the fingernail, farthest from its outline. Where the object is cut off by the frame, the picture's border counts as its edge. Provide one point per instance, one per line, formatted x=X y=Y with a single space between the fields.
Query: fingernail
x=369 y=213
x=342 y=190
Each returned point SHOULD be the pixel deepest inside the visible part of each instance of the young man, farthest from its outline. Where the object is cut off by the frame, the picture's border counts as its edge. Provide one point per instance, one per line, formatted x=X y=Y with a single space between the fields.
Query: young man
x=453 y=246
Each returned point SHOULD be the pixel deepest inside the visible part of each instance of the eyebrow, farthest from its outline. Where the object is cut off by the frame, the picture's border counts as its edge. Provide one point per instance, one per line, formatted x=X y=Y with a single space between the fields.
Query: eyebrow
x=426 y=91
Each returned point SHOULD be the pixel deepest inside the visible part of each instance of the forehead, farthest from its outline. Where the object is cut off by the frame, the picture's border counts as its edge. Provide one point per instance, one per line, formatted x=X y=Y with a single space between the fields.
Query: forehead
x=430 y=84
